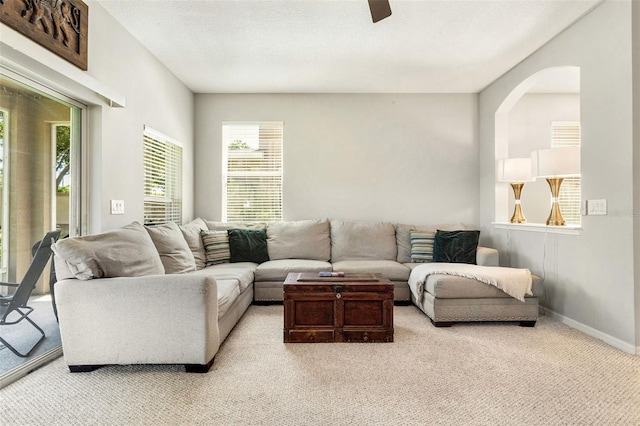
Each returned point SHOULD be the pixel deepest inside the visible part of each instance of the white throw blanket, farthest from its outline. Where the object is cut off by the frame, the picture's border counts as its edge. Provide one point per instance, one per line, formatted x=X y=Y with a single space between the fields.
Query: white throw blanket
x=515 y=282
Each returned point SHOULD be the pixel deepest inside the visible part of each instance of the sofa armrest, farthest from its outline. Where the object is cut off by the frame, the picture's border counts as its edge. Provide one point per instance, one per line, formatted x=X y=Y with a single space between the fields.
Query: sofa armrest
x=486 y=256
x=160 y=319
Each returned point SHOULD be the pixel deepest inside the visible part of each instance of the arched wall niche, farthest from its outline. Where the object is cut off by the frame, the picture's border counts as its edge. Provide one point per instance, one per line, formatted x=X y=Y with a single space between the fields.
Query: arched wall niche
x=522 y=125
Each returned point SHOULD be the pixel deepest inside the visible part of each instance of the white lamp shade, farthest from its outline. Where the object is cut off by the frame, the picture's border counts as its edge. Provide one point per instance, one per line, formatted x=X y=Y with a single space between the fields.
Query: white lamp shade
x=556 y=162
x=514 y=170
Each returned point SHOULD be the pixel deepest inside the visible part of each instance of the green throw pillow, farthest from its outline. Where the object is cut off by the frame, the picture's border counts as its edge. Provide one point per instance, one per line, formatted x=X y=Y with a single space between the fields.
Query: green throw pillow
x=248 y=245
x=456 y=246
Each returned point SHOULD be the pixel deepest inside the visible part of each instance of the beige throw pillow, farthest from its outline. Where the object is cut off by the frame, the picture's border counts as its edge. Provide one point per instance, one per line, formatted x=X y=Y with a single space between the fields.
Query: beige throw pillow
x=124 y=252
x=303 y=239
x=191 y=233
x=363 y=241
x=173 y=249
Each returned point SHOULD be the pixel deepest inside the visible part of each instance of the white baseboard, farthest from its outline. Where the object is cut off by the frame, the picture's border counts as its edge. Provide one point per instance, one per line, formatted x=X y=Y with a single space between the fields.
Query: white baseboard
x=613 y=341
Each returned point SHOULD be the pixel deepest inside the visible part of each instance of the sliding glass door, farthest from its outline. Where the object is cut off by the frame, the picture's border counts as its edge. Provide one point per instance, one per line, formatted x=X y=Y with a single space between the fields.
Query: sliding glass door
x=40 y=140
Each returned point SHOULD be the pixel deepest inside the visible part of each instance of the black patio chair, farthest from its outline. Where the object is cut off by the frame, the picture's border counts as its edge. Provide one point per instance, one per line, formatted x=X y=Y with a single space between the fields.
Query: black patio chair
x=17 y=302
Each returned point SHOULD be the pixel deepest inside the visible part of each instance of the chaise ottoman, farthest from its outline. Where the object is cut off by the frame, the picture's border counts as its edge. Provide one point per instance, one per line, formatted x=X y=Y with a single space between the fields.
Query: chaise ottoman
x=448 y=299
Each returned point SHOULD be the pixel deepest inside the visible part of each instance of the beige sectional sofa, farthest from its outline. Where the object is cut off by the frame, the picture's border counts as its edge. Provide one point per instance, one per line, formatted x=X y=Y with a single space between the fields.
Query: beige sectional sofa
x=118 y=314
x=337 y=245
x=117 y=306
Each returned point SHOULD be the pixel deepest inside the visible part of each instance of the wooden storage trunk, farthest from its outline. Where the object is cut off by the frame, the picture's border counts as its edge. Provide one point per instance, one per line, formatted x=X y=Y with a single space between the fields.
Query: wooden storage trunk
x=353 y=308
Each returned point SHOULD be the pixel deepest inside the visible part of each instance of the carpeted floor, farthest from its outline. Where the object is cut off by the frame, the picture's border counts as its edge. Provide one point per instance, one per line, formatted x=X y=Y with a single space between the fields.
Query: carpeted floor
x=483 y=374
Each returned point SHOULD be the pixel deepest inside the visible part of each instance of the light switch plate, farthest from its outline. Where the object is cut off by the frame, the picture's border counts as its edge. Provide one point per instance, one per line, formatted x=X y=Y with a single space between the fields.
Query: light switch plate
x=597 y=207
x=117 y=206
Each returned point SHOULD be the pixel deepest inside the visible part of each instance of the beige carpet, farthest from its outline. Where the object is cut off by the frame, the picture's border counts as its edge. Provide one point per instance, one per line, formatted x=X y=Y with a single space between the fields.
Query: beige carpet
x=485 y=374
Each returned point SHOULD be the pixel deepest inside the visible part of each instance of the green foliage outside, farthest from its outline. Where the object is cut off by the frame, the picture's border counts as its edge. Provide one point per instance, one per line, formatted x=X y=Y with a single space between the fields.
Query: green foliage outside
x=63 y=151
x=237 y=145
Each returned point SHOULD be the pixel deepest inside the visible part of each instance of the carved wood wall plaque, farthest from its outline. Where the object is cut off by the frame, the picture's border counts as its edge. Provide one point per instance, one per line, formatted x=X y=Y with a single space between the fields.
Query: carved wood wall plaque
x=58 y=25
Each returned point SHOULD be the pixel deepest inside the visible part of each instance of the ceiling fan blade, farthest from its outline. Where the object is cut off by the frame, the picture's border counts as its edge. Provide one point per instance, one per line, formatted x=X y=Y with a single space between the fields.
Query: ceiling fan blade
x=380 y=9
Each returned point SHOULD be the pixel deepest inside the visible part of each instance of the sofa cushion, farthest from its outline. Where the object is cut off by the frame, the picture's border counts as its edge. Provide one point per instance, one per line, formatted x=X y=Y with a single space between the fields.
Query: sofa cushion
x=173 y=249
x=453 y=287
x=248 y=245
x=191 y=232
x=277 y=270
x=228 y=292
x=390 y=268
x=304 y=239
x=362 y=241
x=124 y=252
x=456 y=246
x=243 y=272
x=216 y=247
x=422 y=246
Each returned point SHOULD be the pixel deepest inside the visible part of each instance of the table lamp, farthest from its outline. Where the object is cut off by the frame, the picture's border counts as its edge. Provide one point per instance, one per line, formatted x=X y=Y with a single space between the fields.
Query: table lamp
x=515 y=171
x=555 y=164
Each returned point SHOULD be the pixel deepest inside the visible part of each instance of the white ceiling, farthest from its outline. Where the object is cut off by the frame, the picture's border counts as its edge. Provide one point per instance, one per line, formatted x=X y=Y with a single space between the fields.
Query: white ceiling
x=332 y=46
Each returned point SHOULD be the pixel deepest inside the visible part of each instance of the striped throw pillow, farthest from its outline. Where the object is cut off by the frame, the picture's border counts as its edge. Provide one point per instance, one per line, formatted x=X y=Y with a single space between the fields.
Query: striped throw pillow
x=422 y=246
x=216 y=246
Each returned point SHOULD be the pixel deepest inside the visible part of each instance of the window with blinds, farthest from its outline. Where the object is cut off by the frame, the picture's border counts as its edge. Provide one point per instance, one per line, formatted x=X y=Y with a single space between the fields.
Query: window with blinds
x=567 y=133
x=252 y=171
x=162 y=179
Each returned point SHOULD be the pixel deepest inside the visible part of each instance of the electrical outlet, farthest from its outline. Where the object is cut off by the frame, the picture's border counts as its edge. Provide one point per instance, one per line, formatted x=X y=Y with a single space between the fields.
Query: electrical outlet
x=117 y=206
x=597 y=207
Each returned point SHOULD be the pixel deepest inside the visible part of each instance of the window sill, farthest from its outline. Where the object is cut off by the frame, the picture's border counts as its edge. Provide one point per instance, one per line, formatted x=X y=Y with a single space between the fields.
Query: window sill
x=539 y=227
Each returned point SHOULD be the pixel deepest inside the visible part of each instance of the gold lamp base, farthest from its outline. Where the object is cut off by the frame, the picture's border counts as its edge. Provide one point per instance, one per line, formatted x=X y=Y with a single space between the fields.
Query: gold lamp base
x=555 y=217
x=517 y=217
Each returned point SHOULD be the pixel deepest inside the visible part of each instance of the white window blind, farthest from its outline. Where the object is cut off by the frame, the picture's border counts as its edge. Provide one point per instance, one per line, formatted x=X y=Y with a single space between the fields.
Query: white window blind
x=252 y=168
x=567 y=133
x=162 y=178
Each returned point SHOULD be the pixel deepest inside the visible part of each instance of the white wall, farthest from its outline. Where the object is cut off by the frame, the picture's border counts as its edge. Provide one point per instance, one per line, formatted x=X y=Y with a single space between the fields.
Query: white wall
x=530 y=130
x=531 y=117
x=154 y=97
x=397 y=158
x=590 y=277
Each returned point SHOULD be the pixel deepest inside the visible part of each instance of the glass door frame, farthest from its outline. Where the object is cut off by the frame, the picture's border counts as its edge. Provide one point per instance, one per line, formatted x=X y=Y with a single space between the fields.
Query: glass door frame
x=79 y=202
x=78 y=208
x=4 y=260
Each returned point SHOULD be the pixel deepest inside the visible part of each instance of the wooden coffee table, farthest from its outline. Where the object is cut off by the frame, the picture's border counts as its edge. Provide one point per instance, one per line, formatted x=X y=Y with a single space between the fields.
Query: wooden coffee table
x=353 y=308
